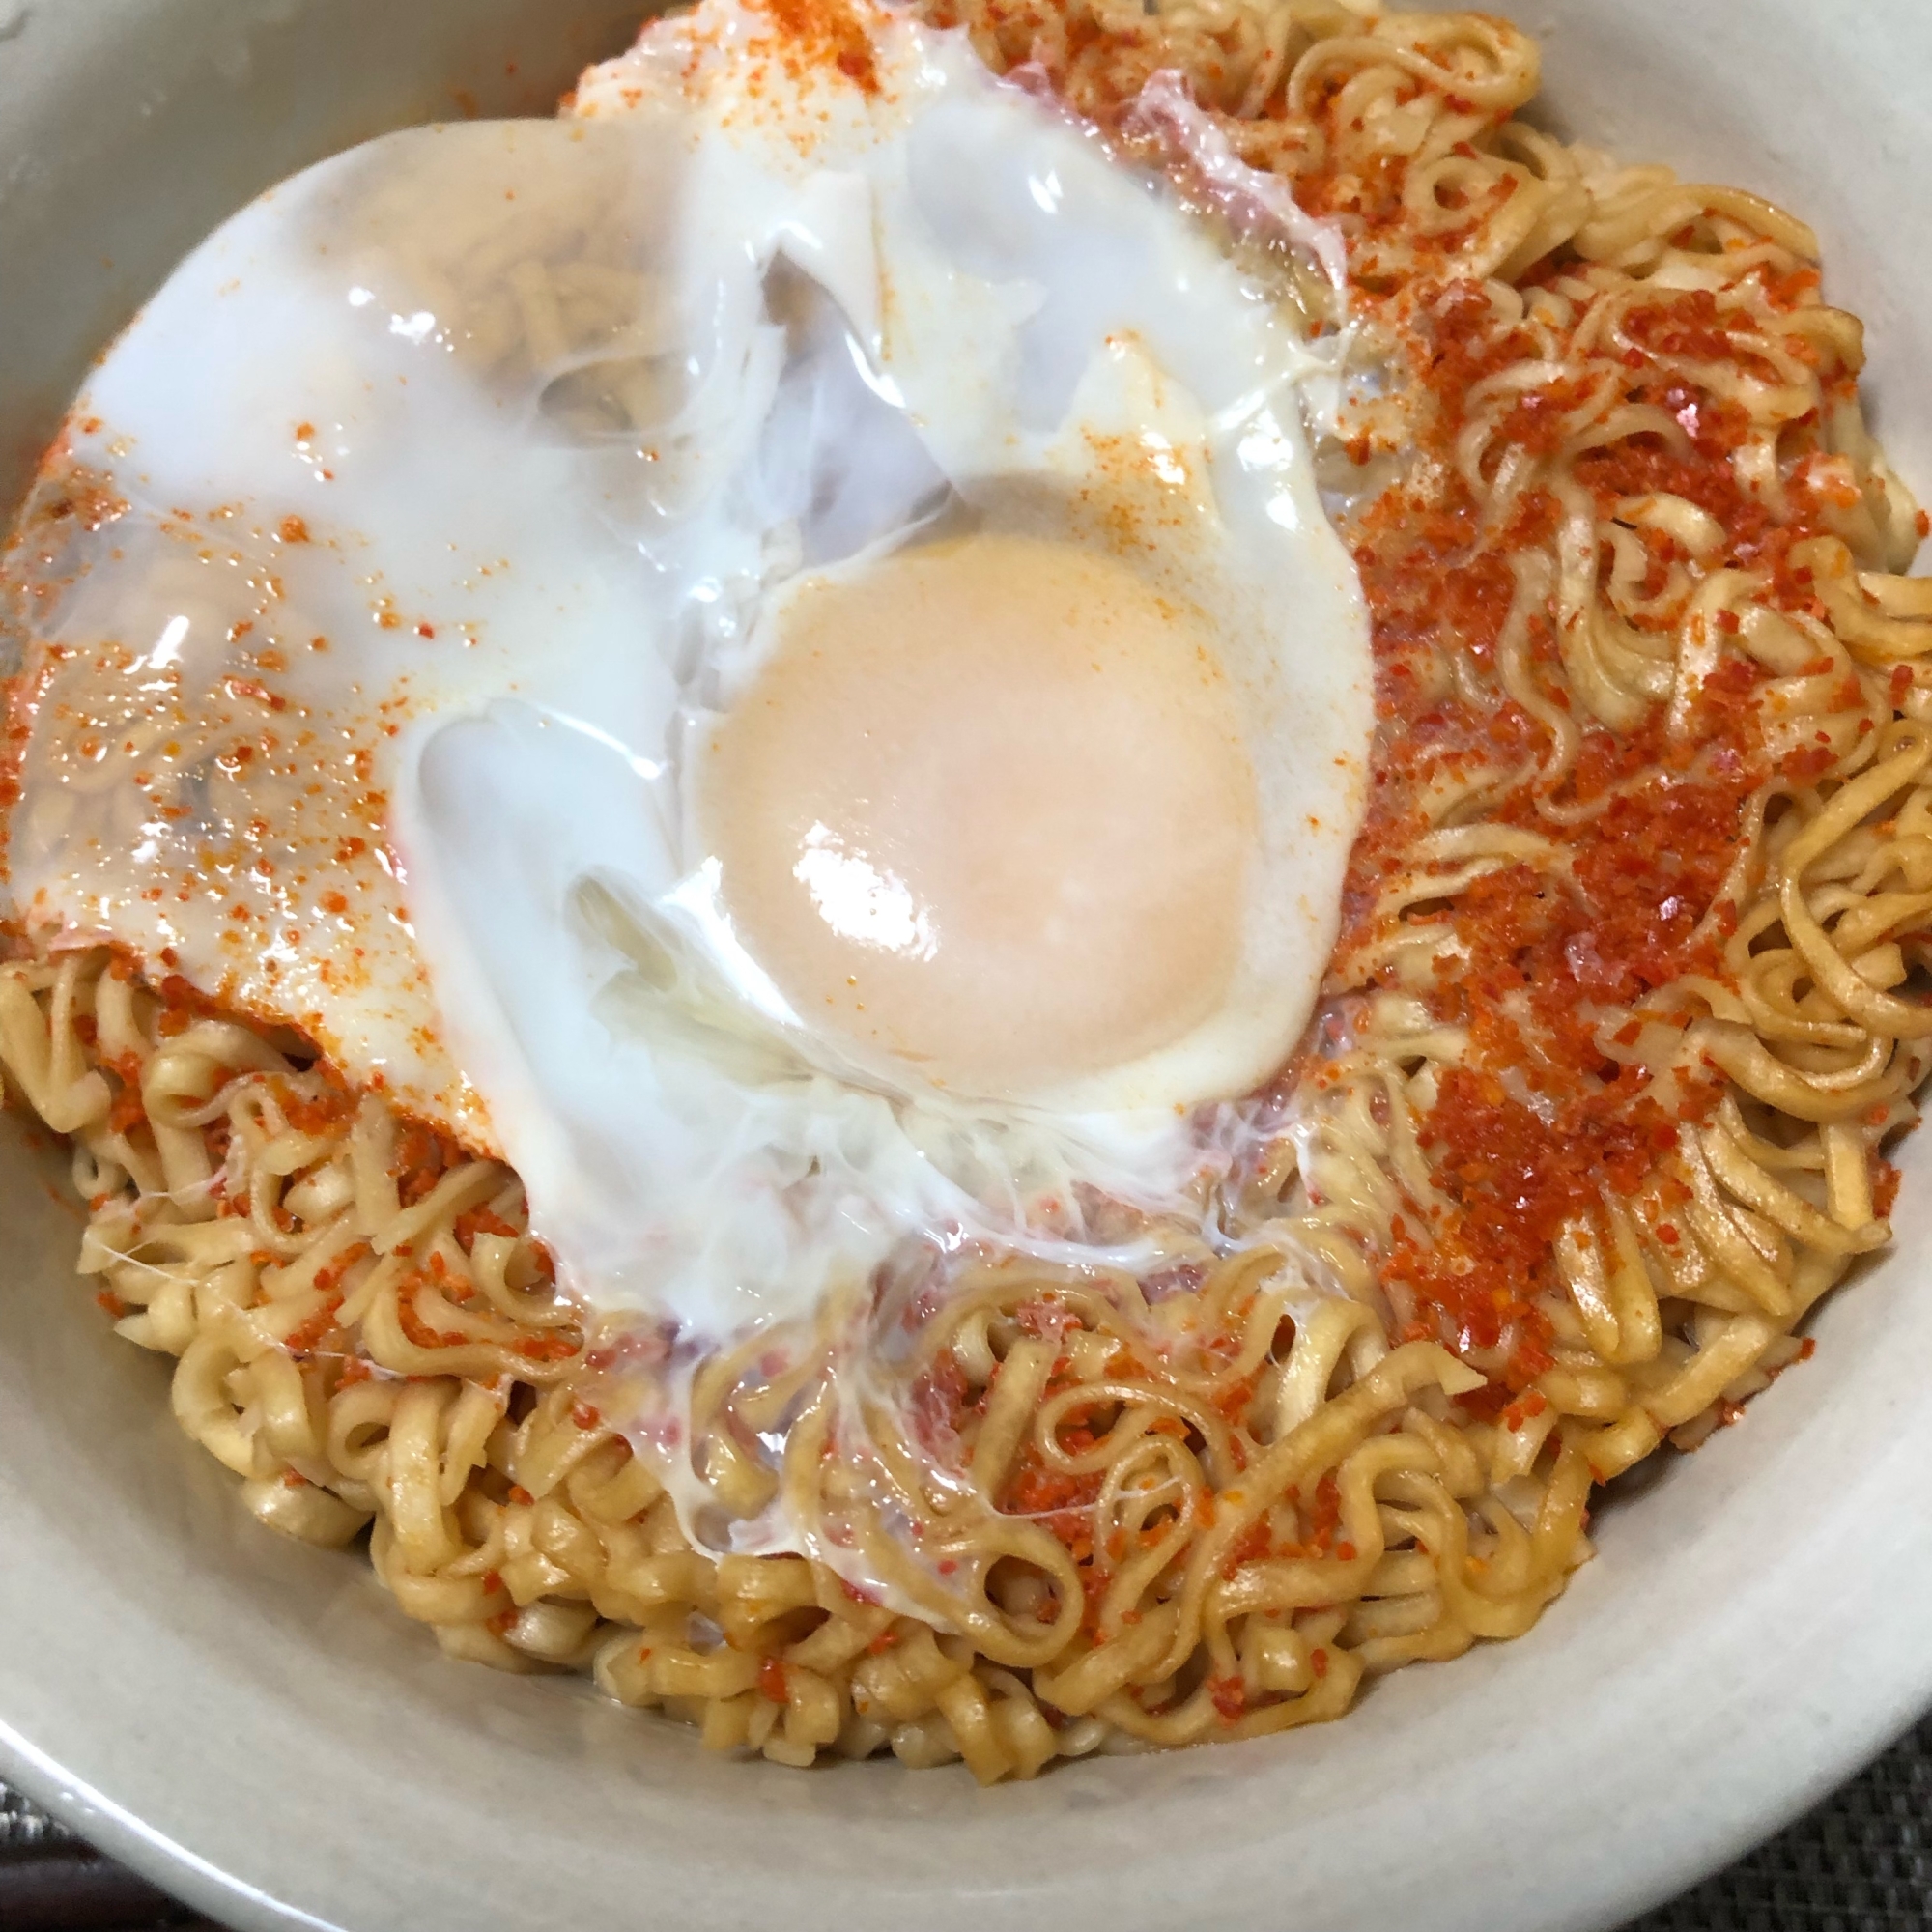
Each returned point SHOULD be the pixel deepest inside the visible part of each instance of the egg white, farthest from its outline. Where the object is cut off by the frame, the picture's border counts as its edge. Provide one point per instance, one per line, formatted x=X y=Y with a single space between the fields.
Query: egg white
x=535 y=426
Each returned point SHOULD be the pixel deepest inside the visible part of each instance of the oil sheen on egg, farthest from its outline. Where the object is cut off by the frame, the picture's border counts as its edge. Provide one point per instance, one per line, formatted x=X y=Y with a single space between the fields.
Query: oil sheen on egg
x=767 y=652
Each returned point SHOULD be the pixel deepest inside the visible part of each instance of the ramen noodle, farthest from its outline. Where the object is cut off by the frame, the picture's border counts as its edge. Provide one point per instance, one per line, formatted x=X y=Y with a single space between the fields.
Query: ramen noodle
x=1591 y=1115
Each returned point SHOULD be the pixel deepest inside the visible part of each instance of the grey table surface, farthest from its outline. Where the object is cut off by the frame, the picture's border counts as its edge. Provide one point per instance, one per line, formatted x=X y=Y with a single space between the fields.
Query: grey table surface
x=1861 y=1863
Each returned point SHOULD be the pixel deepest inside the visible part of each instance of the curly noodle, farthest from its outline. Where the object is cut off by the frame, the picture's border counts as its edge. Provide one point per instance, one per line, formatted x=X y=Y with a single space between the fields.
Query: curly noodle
x=1624 y=1011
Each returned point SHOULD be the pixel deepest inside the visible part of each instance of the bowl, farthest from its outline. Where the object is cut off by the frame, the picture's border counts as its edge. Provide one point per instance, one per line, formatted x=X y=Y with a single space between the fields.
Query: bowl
x=250 y=1722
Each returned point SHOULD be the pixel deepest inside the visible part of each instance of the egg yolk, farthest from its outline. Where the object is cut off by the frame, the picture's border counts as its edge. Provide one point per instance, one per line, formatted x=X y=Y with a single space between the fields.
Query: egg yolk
x=985 y=805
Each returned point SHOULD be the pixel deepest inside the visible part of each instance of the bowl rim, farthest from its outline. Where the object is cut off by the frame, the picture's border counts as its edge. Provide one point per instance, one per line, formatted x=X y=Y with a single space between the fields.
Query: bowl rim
x=1764 y=1793
x=1764 y=1756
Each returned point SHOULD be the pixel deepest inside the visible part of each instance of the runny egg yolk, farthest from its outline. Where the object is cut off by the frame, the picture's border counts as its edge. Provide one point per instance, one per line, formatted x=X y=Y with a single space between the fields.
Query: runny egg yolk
x=985 y=804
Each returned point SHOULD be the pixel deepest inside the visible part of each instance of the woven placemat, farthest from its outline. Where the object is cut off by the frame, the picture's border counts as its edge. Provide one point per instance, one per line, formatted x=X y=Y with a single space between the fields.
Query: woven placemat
x=1861 y=1863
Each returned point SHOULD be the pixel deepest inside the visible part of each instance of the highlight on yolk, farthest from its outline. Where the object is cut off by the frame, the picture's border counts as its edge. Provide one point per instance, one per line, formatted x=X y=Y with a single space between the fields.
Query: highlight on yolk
x=986 y=806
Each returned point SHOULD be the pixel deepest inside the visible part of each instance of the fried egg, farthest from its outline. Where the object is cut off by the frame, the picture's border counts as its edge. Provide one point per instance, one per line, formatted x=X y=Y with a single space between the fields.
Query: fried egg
x=767 y=652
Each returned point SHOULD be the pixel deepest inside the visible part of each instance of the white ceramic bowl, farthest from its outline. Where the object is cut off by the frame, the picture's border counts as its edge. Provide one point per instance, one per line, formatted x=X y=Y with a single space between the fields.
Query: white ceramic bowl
x=252 y=1724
